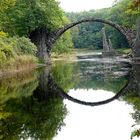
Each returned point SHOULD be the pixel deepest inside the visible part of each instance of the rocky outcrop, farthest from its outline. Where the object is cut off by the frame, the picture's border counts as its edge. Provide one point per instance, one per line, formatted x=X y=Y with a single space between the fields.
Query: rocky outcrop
x=107 y=46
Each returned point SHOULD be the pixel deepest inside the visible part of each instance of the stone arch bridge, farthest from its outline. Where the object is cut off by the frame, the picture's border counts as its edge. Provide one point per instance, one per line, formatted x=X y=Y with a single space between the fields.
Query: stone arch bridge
x=45 y=41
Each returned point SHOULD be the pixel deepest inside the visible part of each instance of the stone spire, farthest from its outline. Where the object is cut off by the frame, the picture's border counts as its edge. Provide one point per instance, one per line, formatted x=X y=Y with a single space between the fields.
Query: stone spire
x=105 y=43
x=110 y=45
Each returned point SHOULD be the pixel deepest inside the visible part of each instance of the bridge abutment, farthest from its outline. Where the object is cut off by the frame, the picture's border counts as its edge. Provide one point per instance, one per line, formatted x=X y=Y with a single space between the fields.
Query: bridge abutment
x=40 y=38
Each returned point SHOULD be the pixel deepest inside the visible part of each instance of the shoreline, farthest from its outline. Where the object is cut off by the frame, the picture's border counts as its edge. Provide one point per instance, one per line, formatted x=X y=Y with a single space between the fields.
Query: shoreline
x=14 y=72
x=30 y=67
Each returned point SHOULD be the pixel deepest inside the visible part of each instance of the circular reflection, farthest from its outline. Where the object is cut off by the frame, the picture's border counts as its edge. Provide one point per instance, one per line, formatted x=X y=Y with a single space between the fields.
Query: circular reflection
x=63 y=94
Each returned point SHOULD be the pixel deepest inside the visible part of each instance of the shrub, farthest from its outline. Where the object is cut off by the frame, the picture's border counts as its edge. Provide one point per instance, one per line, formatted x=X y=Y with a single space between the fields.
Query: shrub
x=2 y=34
x=15 y=50
x=23 y=45
x=6 y=51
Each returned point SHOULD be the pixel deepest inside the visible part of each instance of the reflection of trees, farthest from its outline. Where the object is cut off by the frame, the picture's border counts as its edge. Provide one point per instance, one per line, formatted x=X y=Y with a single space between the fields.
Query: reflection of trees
x=38 y=116
x=105 y=76
x=30 y=118
x=101 y=72
x=64 y=75
x=132 y=95
x=18 y=85
x=118 y=94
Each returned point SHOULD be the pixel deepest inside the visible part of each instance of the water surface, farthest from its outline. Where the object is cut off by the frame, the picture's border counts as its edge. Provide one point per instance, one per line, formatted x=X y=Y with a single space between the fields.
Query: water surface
x=52 y=102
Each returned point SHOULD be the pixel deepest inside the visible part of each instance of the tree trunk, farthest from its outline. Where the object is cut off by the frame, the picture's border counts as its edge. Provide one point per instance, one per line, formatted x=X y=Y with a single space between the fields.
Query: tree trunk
x=40 y=37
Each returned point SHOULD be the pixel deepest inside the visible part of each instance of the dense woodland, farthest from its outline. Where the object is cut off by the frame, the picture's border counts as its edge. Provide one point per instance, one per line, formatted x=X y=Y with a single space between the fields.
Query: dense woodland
x=123 y=12
x=19 y=18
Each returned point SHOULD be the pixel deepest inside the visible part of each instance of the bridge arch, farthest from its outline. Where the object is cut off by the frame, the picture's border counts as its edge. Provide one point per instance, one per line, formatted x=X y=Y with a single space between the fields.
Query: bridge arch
x=45 y=41
x=121 y=29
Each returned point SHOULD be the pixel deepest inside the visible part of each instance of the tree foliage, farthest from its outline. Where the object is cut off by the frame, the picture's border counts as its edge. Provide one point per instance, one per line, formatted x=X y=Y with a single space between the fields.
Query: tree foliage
x=123 y=12
x=5 y=4
x=27 y=15
x=22 y=17
x=12 y=48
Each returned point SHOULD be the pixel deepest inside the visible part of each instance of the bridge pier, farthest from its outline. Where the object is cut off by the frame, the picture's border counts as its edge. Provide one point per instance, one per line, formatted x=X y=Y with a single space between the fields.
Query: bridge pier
x=40 y=37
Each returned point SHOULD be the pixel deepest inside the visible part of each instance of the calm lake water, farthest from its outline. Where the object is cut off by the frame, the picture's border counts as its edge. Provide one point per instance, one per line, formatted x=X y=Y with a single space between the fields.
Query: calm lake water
x=72 y=100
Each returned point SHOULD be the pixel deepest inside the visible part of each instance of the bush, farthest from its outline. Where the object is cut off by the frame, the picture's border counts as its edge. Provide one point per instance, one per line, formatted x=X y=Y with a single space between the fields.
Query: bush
x=23 y=45
x=2 y=34
x=12 y=49
x=6 y=51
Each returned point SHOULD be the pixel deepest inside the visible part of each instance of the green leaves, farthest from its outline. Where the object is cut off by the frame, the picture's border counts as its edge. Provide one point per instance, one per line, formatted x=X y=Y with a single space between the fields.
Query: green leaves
x=23 y=45
x=6 y=50
x=27 y=15
x=5 y=4
x=89 y=33
x=22 y=17
x=14 y=49
x=135 y=133
x=64 y=44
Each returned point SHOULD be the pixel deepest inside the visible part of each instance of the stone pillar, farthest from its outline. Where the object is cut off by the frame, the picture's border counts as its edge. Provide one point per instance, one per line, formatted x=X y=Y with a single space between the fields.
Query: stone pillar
x=110 y=45
x=105 y=43
x=107 y=46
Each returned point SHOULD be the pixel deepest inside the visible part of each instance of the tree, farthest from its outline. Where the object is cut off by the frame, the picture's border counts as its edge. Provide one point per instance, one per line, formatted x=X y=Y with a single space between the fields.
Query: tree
x=35 y=19
x=5 y=5
x=119 y=13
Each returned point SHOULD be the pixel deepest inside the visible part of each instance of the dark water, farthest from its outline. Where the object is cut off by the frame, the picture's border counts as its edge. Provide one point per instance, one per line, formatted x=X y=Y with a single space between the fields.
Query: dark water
x=73 y=100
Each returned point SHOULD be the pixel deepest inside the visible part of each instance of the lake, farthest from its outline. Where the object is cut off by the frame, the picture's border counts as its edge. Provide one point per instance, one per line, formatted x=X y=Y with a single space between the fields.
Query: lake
x=88 y=97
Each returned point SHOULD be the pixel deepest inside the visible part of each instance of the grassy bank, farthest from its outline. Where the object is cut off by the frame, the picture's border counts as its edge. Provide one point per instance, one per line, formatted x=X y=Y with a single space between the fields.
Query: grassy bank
x=18 y=64
x=16 y=54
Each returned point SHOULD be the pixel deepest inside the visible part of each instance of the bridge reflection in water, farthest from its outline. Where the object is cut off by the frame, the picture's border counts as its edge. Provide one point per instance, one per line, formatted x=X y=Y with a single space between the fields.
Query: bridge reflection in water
x=35 y=108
